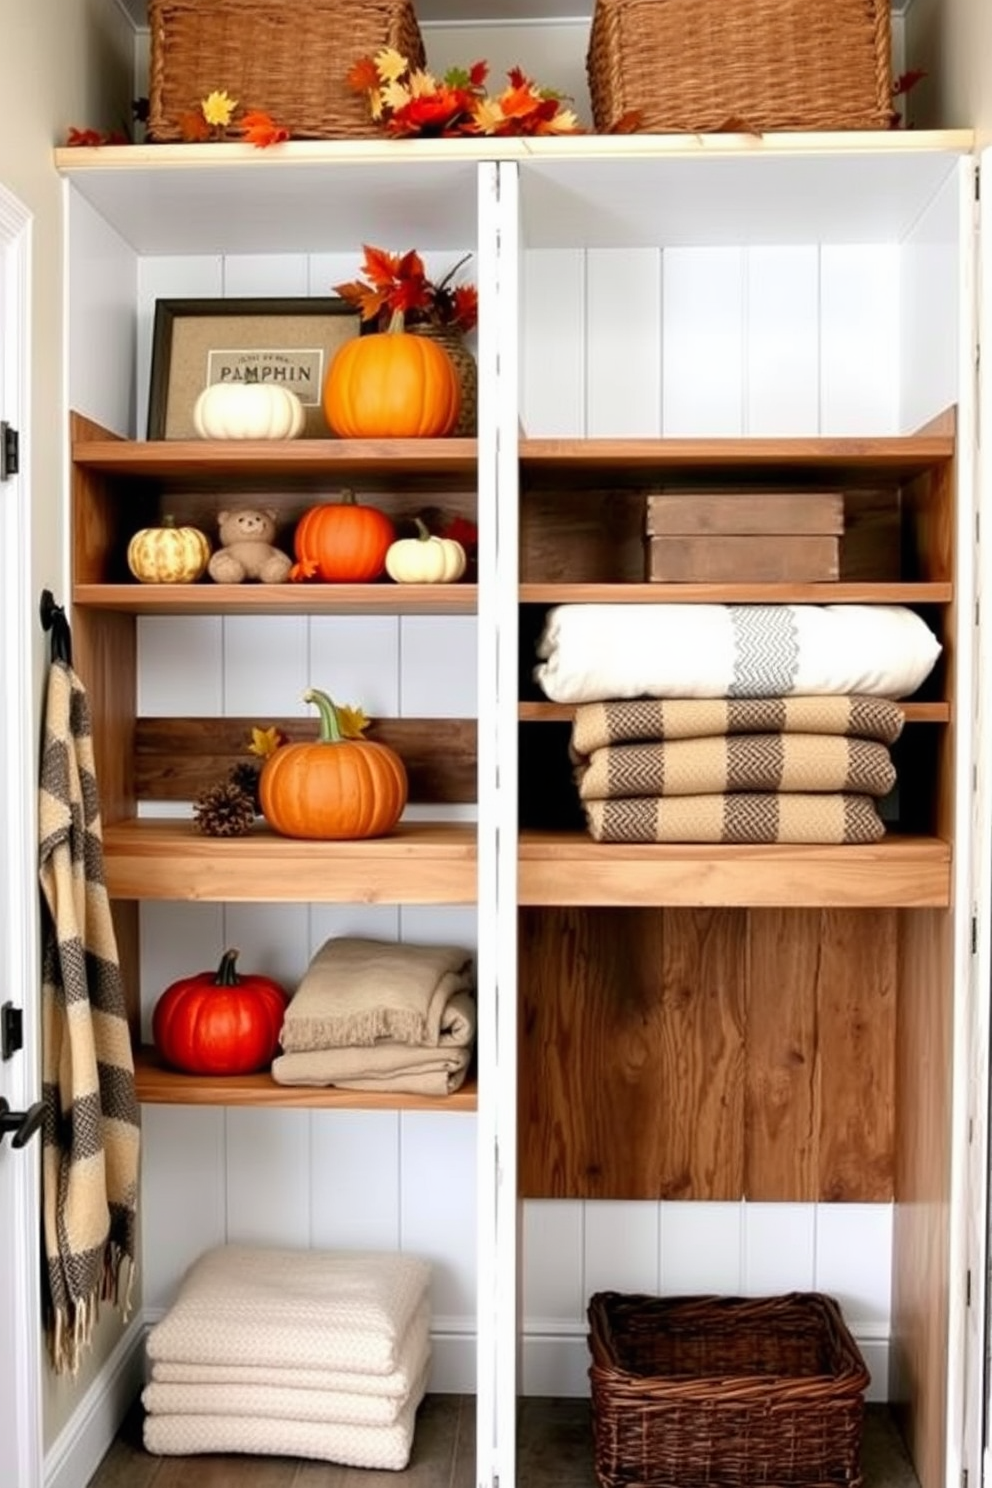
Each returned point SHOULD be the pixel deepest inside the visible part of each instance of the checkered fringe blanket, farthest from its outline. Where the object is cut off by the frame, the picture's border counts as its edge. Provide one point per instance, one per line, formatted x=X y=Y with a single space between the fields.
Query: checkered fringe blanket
x=91 y=1128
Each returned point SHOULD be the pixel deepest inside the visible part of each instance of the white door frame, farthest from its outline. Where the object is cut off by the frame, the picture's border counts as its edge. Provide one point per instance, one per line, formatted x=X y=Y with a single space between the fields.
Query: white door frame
x=20 y=1301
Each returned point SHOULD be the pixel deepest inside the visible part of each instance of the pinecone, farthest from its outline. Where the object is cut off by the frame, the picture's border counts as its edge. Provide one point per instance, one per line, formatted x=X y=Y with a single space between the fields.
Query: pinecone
x=224 y=811
x=246 y=776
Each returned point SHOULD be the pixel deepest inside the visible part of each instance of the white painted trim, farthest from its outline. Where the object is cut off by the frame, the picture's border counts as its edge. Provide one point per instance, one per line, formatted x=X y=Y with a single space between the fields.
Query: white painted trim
x=82 y=1444
x=20 y=966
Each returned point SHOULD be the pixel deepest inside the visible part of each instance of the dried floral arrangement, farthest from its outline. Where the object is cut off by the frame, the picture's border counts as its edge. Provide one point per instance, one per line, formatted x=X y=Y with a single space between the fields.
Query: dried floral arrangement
x=398 y=282
x=410 y=101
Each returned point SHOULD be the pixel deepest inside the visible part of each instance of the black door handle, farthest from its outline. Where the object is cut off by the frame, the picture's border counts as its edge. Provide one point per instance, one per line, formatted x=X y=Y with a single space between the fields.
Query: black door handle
x=23 y=1124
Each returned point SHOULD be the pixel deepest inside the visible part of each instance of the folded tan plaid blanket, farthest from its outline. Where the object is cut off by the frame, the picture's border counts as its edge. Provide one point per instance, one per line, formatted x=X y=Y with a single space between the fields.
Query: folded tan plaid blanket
x=744 y=817
x=598 y=724
x=356 y=991
x=91 y=1129
x=737 y=762
x=352 y=1445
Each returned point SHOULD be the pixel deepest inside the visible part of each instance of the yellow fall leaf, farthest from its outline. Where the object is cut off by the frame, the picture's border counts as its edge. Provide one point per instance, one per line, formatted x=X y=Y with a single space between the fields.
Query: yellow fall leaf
x=218 y=108
x=487 y=114
x=265 y=741
x=394 y=95
x=563 y=122
x=351 y=721
x=422 y=84
x=390 y=64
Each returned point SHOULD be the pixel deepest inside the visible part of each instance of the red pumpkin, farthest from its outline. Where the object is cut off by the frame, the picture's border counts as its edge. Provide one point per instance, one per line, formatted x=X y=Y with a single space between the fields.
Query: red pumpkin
x=341 y=542
x=335 y=789
x=391 y=385
x=219 y=1023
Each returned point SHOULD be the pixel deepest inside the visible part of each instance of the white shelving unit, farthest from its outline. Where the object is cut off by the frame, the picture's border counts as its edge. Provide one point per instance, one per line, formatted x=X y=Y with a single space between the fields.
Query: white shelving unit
x=636 y=293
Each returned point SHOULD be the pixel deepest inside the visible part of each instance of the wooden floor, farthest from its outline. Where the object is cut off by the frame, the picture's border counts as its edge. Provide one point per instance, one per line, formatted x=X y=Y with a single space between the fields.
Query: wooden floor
x=554 y=1451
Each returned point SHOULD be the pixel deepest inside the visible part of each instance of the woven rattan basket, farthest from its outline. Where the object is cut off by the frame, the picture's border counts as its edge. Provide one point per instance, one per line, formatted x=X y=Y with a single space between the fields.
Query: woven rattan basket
x=288 y=57
x=702 y=66
x=690 y=1392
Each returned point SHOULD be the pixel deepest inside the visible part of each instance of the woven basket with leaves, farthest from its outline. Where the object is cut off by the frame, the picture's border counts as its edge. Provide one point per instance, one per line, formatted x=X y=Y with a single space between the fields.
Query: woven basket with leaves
x=703 y=66
x=289 y=58
x=695 y=1392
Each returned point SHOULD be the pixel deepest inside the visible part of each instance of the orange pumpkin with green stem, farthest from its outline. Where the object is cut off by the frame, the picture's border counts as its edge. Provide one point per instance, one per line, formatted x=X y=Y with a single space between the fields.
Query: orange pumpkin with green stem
x=340 y=542
x=334 y=789
x=391 y=386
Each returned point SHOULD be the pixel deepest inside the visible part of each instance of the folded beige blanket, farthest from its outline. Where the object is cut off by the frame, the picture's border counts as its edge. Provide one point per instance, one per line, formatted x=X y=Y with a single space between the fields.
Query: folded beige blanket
x=744 y=817
x=384 y=1447
x=397 y=1067
x=413 y=1351
x=296 y=1309
x=356 y=991
x=622 y=722
x=737 y=762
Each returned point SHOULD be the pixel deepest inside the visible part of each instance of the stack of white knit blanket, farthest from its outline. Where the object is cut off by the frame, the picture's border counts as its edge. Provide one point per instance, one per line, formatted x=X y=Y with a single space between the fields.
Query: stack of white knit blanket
x=296 y=1353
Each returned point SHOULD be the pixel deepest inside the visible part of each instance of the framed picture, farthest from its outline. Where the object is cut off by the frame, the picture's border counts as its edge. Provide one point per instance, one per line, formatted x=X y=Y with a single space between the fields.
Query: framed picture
x=199 y=342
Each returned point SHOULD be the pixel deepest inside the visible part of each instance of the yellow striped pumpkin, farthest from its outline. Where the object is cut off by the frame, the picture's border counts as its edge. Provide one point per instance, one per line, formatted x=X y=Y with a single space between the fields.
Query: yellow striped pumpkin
x=168 y=554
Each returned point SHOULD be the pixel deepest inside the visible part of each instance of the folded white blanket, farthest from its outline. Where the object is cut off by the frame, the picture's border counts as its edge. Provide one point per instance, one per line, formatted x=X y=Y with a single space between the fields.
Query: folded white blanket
x=351 y=1445
x=589 y=653
x=413 y=1351
x=356 y=991
x=277 y=1397
x=298 y=1309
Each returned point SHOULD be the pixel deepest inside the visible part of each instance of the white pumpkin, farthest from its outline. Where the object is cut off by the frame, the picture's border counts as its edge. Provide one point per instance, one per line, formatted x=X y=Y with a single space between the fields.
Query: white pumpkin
x=248 y=410
x=425 y=559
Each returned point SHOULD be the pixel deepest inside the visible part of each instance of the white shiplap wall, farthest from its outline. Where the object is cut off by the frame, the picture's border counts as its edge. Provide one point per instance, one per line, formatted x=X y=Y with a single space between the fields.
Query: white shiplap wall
x=715 y=340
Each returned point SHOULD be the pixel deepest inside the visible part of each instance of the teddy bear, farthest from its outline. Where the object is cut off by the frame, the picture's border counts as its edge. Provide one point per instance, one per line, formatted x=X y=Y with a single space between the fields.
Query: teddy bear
x=246 y=548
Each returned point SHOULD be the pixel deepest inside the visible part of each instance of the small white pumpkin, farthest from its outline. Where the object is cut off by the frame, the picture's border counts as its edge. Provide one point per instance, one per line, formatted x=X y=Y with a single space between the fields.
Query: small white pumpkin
x=168 y=554
x=248 y=410
x=425 y=559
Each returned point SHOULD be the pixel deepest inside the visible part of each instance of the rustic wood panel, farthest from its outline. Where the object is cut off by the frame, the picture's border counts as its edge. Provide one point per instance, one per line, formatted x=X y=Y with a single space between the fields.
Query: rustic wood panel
x=631 y=1054
x=750 y=1052
x=920 y=1256
x=782 y=1099
x=104 y=655
x=582 y=537
x=176 y=758
x=856 y=1008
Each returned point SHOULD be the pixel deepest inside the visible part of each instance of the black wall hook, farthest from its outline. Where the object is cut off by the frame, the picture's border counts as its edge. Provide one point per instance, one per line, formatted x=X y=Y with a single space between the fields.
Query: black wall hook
x=53 y=619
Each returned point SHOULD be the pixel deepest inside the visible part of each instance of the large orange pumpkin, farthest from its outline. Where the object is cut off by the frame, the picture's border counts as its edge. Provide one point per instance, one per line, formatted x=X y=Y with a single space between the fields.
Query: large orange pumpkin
x=334 y=789
x=342 y=542
x=391 y=385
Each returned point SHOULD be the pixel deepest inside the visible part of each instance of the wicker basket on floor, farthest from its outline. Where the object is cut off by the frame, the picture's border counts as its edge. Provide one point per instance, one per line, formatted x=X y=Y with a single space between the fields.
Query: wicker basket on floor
x=693 y=1392
x=704 y=66
x=288 y=57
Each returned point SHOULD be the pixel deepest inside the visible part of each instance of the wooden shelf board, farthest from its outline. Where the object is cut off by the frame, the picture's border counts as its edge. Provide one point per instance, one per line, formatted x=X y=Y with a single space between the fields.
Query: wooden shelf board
x=419 y=863
x=834 y=593
x=328 y=459
x=559 y=868
x=279 y=599
x=540 y=712
x=156 y=1085
x=632 y=461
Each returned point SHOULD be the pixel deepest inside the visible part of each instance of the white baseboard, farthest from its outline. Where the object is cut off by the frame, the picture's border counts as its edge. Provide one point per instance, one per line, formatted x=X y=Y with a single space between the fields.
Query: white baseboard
x=86 y=1438
x=555 y=1362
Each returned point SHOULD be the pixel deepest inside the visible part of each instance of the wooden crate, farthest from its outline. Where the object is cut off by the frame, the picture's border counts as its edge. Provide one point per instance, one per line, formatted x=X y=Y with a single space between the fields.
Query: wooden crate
x=748 y=536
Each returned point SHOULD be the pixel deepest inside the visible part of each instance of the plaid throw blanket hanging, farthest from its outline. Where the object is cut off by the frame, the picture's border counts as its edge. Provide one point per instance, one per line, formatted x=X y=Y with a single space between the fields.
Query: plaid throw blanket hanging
x=91 y=1129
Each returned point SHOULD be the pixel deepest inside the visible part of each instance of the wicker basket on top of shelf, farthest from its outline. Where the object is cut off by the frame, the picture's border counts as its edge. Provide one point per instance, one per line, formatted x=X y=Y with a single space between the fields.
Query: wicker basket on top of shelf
x=287 y=57
x=706 y=66
x=689 y=1392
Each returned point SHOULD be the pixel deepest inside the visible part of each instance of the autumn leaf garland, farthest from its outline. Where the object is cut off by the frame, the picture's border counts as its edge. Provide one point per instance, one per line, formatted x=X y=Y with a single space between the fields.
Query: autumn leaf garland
x=410 y=101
